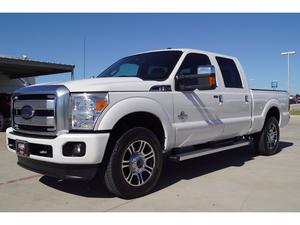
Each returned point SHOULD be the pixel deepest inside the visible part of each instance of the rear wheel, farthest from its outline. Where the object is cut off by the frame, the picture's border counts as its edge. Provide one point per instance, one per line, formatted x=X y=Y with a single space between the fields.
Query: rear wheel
x=266 y=142
x=135 y=164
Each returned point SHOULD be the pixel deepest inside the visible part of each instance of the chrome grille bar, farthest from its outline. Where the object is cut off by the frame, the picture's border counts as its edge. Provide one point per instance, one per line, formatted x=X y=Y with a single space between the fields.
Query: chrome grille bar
x=48 y=121
x=36 y=104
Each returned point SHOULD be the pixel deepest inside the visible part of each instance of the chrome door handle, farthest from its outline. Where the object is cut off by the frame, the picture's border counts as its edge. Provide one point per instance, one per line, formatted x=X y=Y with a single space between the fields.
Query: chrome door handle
x=221 y=98
x=246 y=98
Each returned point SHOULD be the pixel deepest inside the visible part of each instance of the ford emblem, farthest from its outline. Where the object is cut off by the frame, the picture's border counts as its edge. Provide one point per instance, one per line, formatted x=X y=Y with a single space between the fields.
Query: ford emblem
x=27 y=112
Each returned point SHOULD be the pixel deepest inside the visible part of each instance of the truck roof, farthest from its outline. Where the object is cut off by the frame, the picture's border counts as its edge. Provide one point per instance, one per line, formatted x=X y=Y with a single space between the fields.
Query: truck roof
x=187 y=50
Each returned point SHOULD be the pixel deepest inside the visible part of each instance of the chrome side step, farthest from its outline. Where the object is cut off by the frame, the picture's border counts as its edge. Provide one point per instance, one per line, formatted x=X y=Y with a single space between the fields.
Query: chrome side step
x=205 y=151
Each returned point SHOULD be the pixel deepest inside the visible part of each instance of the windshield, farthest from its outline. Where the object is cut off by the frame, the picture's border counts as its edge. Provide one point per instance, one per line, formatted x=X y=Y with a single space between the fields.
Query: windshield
x=147 y=66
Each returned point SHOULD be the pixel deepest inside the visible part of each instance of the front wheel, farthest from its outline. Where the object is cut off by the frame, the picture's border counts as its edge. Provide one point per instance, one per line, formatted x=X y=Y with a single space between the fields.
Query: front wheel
x=266 y=142
x=135 y=164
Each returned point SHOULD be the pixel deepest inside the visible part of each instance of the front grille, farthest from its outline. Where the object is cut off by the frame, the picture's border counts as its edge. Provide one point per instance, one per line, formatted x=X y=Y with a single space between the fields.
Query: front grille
x=41 y=110
x=43 y=116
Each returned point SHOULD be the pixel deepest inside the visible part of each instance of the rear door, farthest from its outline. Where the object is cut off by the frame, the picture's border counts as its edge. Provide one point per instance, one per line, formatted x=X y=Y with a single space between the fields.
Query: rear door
x=235 y=110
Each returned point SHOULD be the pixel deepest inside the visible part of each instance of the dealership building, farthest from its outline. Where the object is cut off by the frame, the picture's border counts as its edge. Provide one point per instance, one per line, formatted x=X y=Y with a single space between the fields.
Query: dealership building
x=20 y=72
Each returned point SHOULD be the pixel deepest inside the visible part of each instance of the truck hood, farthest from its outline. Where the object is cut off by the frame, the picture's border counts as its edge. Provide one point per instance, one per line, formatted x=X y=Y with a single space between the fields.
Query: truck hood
x=108 y=84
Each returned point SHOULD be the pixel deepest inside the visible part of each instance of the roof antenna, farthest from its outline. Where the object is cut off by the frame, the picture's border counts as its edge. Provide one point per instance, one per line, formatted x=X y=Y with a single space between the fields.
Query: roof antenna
x=84 y=57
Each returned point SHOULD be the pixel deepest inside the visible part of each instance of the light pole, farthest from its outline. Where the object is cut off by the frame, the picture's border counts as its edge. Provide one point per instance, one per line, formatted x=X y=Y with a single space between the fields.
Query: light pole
x=288 y=55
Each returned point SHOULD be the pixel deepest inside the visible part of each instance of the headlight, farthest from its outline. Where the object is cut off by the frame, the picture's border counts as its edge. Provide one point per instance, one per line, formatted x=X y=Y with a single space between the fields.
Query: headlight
x=86 y=107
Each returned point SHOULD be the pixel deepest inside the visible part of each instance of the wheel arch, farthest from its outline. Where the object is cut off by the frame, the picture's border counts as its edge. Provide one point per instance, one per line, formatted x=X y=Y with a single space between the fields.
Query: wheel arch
x=138 y=106
x=140 y=119
x=273 y=111
x=272 y=108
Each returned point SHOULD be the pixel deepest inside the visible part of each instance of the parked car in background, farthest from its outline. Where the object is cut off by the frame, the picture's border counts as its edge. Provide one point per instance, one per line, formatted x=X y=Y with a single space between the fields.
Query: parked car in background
x=4 y=110
x=292 y=100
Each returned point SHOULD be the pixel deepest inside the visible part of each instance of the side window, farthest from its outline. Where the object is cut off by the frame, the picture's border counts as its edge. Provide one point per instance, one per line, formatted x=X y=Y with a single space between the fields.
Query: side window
x=191 y=63
x=230 y=73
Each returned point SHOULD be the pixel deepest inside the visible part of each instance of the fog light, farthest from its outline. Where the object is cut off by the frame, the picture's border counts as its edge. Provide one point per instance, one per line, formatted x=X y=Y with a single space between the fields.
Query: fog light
x=78 y=149
x=74 y=149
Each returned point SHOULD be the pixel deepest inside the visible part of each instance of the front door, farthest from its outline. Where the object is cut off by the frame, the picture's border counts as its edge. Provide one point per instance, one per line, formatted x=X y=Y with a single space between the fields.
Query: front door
x=196 y=113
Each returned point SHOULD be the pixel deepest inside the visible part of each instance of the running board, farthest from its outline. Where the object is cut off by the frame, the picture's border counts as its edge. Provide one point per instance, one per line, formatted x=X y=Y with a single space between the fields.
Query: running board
x=206 y=151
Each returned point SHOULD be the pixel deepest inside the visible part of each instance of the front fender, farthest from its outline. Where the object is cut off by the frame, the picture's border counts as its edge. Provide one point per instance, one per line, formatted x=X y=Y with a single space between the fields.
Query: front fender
x=137 y=104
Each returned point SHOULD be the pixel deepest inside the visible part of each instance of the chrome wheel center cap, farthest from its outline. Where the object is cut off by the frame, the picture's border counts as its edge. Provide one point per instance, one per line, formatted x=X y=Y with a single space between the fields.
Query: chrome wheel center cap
x=271 y=135
x=137 y=163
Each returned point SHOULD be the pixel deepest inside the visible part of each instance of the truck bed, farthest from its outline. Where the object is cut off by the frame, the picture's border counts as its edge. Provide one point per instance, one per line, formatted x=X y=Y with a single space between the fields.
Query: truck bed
x=262 y=98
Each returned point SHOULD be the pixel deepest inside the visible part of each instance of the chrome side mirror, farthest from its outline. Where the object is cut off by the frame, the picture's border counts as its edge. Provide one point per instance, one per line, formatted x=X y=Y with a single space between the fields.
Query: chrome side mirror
x=205 y=79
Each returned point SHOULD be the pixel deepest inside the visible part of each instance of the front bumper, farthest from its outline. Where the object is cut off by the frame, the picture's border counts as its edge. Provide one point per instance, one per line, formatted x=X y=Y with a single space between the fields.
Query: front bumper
x=95 y=148
x=62 y=171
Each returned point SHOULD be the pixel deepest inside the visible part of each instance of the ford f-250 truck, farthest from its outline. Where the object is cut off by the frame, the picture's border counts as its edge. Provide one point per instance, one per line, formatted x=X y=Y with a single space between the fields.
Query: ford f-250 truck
x=180 y=103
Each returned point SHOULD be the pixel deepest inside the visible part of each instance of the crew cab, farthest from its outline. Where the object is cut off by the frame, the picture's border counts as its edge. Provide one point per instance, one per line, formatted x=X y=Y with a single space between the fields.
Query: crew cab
x=178 y=103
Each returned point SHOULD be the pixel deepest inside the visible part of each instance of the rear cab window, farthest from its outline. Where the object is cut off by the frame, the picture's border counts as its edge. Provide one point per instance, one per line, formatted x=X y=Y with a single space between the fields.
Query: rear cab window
x=230 y=73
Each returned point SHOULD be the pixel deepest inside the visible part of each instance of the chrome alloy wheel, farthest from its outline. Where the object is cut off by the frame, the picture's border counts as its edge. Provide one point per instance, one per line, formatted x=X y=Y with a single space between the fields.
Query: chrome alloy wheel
x=272 y=136
x=138 y=163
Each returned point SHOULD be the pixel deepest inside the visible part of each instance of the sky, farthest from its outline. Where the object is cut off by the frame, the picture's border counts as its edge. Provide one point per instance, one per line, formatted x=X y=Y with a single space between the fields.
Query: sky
x=256 y=39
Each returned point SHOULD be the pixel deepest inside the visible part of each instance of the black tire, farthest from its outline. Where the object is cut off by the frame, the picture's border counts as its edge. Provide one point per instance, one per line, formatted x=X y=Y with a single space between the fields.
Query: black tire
x=263 y=140
x=2 y=125
x=126 y=181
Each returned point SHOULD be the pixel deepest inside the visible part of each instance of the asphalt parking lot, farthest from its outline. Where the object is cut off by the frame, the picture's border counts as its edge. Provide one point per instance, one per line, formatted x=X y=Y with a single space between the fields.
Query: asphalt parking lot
x=235 y=180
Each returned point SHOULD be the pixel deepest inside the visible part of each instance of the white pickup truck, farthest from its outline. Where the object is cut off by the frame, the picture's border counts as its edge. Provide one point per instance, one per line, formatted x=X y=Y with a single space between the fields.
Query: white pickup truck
x=179 y=103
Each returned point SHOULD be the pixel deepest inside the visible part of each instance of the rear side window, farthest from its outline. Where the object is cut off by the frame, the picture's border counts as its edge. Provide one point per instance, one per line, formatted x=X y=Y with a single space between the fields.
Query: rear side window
x=230 y=73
